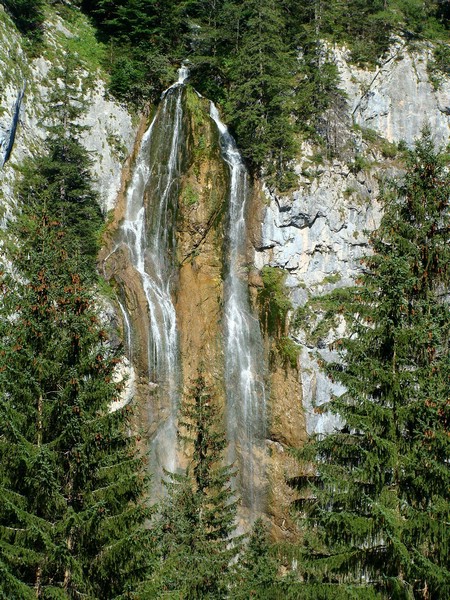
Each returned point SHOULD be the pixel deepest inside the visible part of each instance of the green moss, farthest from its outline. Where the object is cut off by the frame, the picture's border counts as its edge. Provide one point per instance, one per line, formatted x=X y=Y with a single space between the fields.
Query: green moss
x=189 y=196
x=348 y=192
x=195 y=107
x=106 y=289
x=332 y=278
x=317 y=158
x=84 y=43
x=375 y=141
x=118 y=148
x=289 y=352
x=368 y=135
x=274 y=302
x=15 y=66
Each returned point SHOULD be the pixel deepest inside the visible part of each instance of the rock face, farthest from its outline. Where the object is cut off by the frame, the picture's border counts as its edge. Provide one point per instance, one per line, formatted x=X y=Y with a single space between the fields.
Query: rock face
x=110 y=134
x=200 y=231
x=397 y=99
x=317 y=233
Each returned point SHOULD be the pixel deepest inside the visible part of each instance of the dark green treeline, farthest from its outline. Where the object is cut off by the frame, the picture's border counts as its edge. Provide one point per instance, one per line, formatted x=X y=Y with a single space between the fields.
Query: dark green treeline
x=264 y=61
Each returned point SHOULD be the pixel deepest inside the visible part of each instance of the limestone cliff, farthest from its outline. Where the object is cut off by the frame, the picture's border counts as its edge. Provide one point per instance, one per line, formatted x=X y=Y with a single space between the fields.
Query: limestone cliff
x=110 y=131
x=315 y=234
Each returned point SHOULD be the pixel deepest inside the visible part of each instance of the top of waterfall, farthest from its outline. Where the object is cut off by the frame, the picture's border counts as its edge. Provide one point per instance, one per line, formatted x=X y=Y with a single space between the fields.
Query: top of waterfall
x=231 y=152
x=183 y=74
x=214 y=114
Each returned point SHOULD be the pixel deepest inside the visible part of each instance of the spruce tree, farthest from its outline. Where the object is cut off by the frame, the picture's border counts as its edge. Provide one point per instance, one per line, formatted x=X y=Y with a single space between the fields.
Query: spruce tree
x=197 y=519
x=375 y=505
x=62 y=174
x=73 y=484
x=259 y=101
x=257 y=569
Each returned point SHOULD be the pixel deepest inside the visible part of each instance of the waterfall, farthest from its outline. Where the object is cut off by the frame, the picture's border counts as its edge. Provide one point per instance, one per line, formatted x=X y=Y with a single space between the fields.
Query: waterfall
x=147 y=238
x=147 y=235
x=244 y=362
x=127 y=330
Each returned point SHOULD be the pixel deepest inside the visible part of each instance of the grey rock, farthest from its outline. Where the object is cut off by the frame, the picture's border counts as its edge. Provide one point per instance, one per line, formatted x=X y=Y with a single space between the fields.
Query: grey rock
x=318 y=233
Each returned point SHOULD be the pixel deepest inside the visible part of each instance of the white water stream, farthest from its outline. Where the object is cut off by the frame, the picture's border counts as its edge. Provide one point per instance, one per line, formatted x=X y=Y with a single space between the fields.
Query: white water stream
x=147 y=232
x=244 y=363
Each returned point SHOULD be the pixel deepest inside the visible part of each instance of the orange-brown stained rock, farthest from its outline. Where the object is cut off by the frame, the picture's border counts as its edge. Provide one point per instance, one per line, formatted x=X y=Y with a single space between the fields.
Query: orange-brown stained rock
x=200 y=226
x=286 y=430
x=199 y=304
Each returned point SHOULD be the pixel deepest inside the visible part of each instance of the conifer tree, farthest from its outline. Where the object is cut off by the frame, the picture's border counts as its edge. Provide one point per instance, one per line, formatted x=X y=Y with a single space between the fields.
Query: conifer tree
x=259 y=102
x=62 y=175
x=257 y=569
x=72 y=483
x=28 y=15
x=198 y=517
x=375 y=510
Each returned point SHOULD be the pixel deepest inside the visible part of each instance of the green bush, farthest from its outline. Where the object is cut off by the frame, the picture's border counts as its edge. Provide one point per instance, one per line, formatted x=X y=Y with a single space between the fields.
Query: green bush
x=289 y=352
x=28 y=15
x=274 y=302
x=439 y=66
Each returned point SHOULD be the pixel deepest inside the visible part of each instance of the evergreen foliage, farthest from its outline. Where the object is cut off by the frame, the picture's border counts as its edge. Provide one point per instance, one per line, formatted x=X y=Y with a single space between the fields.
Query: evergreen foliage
x=257 y=574
x=72 y=482
x=260 y=99
x=369 y=26
x=375 y=506
x=61 y=176
x=198 y=517
x=265 y=62
x=140 y=34
x=28 y=16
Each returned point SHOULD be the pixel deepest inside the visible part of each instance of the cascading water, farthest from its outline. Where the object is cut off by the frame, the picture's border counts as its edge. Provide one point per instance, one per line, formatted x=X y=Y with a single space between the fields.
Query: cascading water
x=147 y=238
x=244 y=363
x=147 y=233
x=127 y=330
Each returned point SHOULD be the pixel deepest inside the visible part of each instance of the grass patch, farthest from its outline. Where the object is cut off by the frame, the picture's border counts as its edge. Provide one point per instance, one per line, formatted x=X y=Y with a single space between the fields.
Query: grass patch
x=332 y=278
x=81 y=42
x=274 y=302
x=189 y=197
